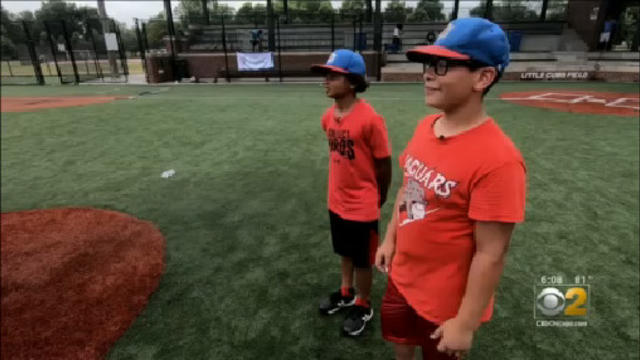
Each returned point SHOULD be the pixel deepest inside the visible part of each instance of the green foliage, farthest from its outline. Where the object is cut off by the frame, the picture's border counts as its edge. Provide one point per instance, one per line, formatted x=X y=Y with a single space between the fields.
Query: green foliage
x=426 y=11
x=511 y=10
x=629 y=27
x=557 y=10
x=251 y=14
x=10 y=34
x=396 y=12
x=156 y=30
x=351 y=9
x=53 y=11
x=307 y=12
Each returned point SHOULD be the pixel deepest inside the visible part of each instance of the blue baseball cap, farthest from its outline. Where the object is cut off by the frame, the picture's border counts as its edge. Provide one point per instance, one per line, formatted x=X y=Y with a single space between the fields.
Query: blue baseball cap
x=468 y=39
x=343 y=61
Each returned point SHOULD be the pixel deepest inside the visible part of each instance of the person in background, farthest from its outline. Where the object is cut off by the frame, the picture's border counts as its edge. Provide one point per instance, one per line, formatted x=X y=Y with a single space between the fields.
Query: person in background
x=397 y=42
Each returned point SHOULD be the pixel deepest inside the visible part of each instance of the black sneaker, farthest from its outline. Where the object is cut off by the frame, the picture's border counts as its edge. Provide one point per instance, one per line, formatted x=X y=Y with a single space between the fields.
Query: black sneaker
x=336 y=301
x=356 y=320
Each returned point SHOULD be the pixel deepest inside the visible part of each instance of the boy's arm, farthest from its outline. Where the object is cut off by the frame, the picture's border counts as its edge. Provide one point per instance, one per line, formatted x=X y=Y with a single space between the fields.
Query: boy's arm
x=385 y=252
x=492 y=242
x=383 y=176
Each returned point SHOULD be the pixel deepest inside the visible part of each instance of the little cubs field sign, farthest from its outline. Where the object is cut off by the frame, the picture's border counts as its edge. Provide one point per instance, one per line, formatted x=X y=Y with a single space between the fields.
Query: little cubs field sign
x=584 y=102
x=555 y=75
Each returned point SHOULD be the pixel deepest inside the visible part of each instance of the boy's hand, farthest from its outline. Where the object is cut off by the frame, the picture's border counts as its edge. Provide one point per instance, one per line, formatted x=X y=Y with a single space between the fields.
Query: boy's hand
x=455 y=337
x=384 y=255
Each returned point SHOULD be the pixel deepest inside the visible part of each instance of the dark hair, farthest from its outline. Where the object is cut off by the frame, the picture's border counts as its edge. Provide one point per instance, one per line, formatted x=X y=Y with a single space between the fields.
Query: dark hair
x=475 y=65
x=495 y=80
x=359 y=82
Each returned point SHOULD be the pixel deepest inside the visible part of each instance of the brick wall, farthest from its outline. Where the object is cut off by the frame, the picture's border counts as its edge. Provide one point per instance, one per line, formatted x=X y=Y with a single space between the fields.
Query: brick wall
x=159 y=68
x=208 y=65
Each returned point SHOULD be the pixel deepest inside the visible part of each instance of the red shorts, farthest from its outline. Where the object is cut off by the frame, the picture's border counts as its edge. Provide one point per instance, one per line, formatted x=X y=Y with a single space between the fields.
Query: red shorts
x=402 y=325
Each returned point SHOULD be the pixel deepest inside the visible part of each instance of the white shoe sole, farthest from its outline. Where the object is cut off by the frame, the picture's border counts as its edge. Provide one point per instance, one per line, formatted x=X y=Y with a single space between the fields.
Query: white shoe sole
x=366 y=319
x=341 y=306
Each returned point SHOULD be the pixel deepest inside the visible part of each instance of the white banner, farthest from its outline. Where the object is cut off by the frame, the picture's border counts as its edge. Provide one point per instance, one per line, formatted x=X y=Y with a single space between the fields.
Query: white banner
x=255 y=61
x=111 y=41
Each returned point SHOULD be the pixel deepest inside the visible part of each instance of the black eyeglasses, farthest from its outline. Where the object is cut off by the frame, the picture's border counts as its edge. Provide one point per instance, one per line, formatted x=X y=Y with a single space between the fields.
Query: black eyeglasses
x=442 y=65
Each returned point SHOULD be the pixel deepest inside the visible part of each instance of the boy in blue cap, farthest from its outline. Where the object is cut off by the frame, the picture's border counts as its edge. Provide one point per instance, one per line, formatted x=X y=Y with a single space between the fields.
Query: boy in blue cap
x=359 y=177
x=463 y=191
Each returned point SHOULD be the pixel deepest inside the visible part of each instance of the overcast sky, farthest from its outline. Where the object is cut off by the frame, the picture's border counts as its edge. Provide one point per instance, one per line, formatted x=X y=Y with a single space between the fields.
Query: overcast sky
x=125 y=11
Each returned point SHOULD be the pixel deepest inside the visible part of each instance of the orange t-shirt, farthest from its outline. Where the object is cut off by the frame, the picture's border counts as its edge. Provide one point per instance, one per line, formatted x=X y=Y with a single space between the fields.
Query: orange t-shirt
x=354 y=142
x=478 y=175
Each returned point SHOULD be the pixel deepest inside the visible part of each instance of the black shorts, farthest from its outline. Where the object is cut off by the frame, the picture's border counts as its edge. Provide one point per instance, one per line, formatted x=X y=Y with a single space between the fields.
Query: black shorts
x=354 y=239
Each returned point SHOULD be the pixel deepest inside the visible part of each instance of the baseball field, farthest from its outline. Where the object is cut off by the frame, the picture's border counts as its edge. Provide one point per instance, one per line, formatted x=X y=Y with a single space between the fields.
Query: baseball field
x=247 y=246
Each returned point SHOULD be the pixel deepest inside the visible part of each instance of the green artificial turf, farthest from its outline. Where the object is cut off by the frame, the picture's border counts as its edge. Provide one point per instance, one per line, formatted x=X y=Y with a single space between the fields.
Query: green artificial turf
x=248 y=247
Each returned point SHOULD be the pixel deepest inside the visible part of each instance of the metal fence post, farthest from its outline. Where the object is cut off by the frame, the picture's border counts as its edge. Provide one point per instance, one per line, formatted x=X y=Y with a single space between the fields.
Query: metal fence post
x=95 y=52
x=142 y=50
x=224 y=46
x=172 y=34
x=360 y=38
x=333 y=33
x=67 y=41
x=456 y=9
x=121 y=50
x=9 y=66
x=32 y=53
x=53 y=51
x=354 y=33
x=377 y=40
x=279 y=51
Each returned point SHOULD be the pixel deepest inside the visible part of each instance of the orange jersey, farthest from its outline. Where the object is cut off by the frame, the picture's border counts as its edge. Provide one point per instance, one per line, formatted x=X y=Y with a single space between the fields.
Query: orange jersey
x=354 y=142
x=478 y=175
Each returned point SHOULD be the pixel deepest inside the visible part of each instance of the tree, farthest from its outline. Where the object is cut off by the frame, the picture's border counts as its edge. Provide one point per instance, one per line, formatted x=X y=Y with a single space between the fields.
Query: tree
x=7 y=47
x=7 y=30
x=629 y=22
x=479 y=11
x=245 y=14
x=11 y=34
x=219 y=10
x=54 y=10
x=306 y=12
x=26 y=16
x=426 y=11
x=351 y=9
x=557 y=10
x=156 y=30
x=250 y=14
x=396 y=12
x=513 y=10
x=190 y=12
x=128 y=37
x=506 y=10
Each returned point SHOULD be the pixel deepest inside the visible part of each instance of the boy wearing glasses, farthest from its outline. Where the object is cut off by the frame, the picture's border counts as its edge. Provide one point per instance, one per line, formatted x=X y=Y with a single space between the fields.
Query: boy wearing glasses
x=463 y=191
x=359 y=177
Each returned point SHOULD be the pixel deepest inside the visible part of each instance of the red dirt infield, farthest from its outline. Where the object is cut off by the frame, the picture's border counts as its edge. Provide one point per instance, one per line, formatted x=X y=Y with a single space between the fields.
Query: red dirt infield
x=22 y=104
x=74 y=280
x=584 y=102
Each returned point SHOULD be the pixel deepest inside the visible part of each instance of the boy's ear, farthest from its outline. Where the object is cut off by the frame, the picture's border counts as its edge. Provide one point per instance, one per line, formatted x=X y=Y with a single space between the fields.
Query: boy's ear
x=485 y=77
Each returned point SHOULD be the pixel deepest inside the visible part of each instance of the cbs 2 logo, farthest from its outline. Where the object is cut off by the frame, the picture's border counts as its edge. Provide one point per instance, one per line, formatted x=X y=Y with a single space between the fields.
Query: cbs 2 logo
x=551 y=301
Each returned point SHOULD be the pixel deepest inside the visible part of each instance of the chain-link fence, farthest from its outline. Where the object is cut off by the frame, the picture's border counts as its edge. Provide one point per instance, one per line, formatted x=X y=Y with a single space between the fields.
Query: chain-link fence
x=20 y=60
x=62 y=51
x=94 y=51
